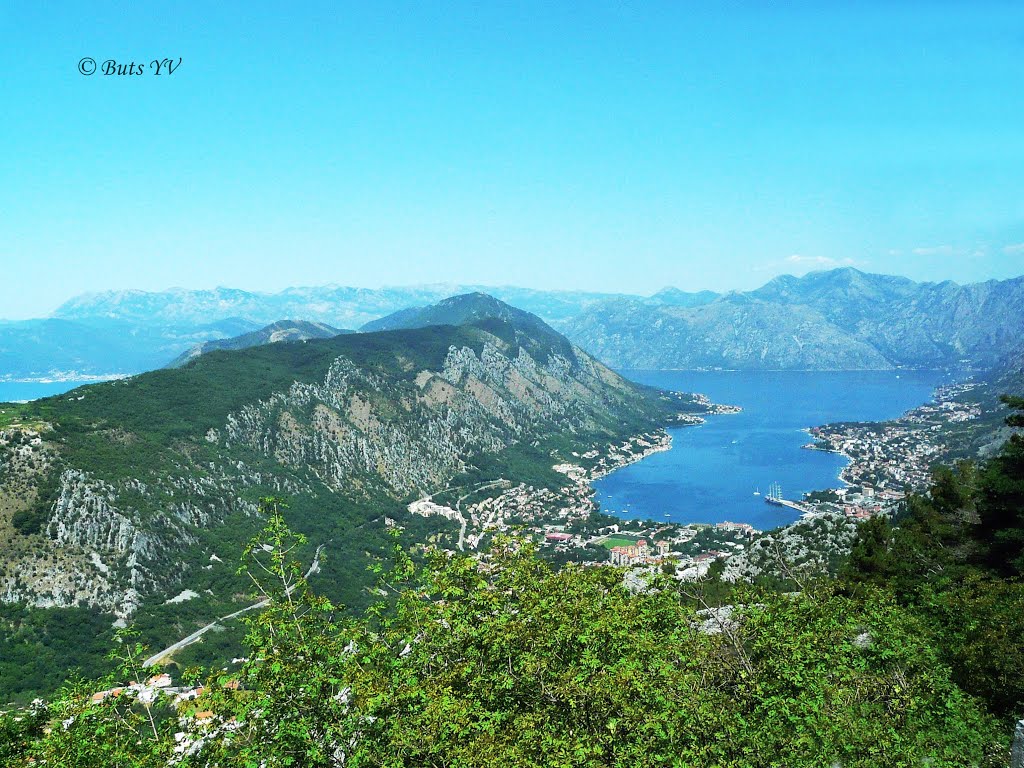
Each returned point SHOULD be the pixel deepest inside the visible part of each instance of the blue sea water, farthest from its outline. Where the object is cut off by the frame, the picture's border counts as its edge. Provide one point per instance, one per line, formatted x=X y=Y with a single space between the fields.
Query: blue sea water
x=11 y=391
x=712 y=470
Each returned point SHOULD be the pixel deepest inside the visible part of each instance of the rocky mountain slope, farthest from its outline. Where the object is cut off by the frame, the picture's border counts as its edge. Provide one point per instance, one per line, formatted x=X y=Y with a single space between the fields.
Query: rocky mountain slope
x=840 y=319
x=275 y=333
x=124 y=494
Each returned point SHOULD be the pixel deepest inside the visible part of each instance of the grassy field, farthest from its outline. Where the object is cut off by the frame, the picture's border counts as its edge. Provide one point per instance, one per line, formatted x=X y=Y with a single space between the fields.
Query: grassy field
x=618 y=540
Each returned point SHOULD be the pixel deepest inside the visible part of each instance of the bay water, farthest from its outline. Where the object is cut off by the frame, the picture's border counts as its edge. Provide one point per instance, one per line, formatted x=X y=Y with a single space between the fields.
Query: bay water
x=14 y=391
x=714 y=470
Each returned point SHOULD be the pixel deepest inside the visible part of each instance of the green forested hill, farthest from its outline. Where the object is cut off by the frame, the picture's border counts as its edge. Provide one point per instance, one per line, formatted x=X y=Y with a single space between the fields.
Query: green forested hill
x=120 y=496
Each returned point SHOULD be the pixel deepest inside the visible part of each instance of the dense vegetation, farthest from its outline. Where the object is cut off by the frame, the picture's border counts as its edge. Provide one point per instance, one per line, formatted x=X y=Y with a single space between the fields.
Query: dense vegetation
x=505 y=661
x=955 y=560
x=38 y=645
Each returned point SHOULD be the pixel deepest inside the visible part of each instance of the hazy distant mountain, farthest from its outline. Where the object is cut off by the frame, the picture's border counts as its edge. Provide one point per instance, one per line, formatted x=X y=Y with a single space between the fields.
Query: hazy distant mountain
x=842 y=318
x=281 y=331
x=125 y=332
x=335 y=305
x=735 y=331
x=912 y=323
x=69 y=349
x=677 y=298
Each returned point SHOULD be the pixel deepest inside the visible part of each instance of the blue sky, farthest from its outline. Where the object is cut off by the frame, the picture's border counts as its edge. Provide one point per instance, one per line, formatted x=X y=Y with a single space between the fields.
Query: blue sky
x=598 y=146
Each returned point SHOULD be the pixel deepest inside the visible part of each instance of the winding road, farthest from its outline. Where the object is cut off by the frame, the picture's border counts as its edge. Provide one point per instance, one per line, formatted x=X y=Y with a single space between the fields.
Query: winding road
x=169 y=651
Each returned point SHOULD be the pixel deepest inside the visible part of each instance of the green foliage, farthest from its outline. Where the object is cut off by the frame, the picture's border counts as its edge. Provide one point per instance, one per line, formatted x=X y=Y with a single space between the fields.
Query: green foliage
x=504 y=661
x=33 y=519
x=948 y=560
x=513 y=663
x=869 y=559
x=930 y=543
x=978 y=625
x=1017 y=404
x=19 y=730
x=1001 y=502
x=291 y=711
x=122 y=729
x=38 y=646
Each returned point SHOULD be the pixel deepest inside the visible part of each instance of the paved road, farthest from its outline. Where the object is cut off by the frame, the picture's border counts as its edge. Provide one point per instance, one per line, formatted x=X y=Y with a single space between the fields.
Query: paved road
x=462 y=517
x=156 y=658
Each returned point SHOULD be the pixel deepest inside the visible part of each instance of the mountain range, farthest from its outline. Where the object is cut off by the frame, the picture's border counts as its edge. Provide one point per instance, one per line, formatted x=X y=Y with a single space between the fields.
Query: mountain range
x=340 y=306
x=126 y=332
x=841 y=319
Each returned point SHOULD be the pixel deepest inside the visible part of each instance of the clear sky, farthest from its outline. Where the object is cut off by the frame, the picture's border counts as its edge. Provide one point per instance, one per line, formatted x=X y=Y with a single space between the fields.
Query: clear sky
x=607 y=146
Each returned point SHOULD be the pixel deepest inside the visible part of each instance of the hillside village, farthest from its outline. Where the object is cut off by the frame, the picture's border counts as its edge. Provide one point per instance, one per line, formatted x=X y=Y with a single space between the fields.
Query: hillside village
x=895 y=455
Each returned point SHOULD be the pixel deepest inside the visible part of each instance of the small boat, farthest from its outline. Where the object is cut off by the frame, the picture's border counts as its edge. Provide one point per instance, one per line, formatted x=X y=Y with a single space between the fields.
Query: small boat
x=757 y=491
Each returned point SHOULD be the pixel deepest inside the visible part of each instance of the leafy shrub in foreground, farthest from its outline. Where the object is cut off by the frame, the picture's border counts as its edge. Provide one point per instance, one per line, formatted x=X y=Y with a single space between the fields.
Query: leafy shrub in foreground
x=504 y=661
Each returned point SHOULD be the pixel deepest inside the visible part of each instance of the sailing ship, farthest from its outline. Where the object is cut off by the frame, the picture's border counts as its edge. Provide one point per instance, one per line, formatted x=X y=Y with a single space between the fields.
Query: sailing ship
x=774 y=495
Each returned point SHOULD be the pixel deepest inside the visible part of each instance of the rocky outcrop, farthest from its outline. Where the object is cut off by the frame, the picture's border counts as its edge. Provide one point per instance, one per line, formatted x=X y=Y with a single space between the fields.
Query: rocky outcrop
x=806 y=548
x=84 y=516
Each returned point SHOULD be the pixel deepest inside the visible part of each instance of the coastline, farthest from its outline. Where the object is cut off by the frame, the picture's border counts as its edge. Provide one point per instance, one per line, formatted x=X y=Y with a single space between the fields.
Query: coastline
x=660 y=440
x=835 y=451
x=895 y=453
x=652 y=442
x=65 y=377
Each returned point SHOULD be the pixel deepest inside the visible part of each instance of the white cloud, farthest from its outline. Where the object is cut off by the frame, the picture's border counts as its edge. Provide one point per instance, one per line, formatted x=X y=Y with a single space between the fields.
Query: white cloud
x=935 y=250
x=1014 y=249
x=817 y=261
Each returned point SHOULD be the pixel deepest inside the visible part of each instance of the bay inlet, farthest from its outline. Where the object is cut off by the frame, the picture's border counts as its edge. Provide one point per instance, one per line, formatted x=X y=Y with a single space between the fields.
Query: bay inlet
x=721 y=470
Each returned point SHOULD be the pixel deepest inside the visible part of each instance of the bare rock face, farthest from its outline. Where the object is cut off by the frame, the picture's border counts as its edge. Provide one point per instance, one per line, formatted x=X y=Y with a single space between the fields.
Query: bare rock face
x=84 y=516
x=415 y=434
x=1017 y=754
x=804 y=548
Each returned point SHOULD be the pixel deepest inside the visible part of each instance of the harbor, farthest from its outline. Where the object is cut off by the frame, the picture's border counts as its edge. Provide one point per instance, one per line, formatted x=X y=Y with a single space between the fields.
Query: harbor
x=775 y=498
